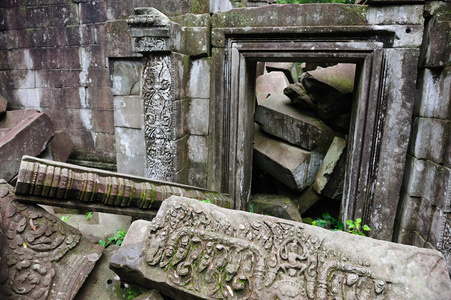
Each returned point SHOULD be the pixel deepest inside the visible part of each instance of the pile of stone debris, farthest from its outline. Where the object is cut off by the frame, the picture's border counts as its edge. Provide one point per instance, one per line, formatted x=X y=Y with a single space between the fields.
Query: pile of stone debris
x=300 y=134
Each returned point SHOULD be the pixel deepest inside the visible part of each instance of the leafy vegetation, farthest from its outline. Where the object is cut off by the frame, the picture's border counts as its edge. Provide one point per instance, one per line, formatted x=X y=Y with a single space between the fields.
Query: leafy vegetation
x=329 y=222
x=65 y=218
x=89 y=215
x=118 y=238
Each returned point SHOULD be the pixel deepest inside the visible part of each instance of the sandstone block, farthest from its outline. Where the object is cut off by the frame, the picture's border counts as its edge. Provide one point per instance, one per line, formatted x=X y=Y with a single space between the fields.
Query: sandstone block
x=128 y=111
x=435 y=50
x=276 y=206
x=290 y=165
x=197 y=250
x=126 y=78
x=330 y=177
x=41 y=257
x=270 y=84
x=291 y=70
x=28 y=136
x=198 y=116
x=277 y=116
x=59 y=147
x=199 y=79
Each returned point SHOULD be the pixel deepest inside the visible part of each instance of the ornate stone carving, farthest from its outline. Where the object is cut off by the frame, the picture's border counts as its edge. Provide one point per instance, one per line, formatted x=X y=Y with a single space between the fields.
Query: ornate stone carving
x=445 y=236
x=215 y=253
x=157 y=95
x=37 y=261
x=54 y=183
x=147 y=44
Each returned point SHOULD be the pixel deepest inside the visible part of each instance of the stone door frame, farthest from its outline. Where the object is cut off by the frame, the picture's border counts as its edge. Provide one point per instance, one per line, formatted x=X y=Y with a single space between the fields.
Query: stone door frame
x=380 y=124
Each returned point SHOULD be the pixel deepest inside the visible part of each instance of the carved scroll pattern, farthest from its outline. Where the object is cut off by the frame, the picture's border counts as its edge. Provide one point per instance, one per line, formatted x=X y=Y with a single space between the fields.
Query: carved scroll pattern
x=156 y=92
x=445 y=246
x=147 y=43
x=220 y=259
x=34 y=240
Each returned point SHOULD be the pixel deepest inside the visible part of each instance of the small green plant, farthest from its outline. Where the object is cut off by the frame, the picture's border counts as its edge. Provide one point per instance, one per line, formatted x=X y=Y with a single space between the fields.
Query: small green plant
x=354 y=227
x=89 y=215
x=206 y=200
x=329 y=222
x=65 y=218
x=118 y=238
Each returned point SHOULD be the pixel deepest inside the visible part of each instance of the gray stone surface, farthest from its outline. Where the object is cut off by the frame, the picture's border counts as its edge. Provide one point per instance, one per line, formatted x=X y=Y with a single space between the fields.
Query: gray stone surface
x=128 y=111
x=199 y=79
x=103 y=283
x=41 y=257
x=130 y=151
x=291 y=70
x=198 y=116
x=59 y=147
x=270 y=84
x=200 y=251
x=29 y=136
x=330 y=177
x=434 y=99
x=431 y=139
x=276 y=206
x=277 y=116
x=289 y=164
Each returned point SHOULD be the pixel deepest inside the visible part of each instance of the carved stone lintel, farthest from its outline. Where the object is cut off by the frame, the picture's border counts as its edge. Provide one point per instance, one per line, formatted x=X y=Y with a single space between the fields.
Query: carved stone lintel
x=54 y=183
x=205 y=252
x=41 y=257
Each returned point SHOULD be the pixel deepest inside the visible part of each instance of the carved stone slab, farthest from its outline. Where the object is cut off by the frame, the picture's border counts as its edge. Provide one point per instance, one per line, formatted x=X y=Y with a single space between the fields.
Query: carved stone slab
x=197 y=250
x=41 y=257
x=61 y=184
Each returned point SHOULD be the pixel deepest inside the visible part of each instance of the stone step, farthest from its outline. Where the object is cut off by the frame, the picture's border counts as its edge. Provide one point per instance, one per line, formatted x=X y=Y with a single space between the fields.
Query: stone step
x=289 y=164
x=279 y=117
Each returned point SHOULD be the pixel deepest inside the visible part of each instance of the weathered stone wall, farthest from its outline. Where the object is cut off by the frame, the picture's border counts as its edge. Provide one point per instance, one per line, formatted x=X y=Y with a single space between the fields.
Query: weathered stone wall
x=424 y=215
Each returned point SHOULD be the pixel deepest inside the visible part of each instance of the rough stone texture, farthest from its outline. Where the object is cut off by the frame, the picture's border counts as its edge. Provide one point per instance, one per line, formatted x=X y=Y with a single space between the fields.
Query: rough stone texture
x=150 y=295
x=329 y=180
x=291 y=70
x=130 y=147
x=270 y=84
x=126 y=78
x=197 y=250
x=41 y=257
x=3 y=105
x=103 y=283
x=28 y=137
x=198 y=116
x=59 y=147
x=60 y=184
x=308 y=198
x=434 y=98
x=277 y=116
x=431 y=139
x=290 y=165
x=276 y=206
x=128 y=111
x=435 y=50
x=199 y=79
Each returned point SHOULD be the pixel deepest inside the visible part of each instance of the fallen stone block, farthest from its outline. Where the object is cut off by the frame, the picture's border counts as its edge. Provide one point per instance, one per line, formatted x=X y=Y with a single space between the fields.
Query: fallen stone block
x=277 y=116
x=330 y=177
x=302 y=200
x=289 y=164
x=195 y=250
x=41 y=257
x=291 y=70
x=58 y=148
x=53 y=183
x=270 y=84
x=276 y=206
x=29 y=133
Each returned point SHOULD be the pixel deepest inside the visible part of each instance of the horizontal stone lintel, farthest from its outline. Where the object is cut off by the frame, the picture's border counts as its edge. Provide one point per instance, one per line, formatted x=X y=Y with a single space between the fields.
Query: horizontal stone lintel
x=60 y=184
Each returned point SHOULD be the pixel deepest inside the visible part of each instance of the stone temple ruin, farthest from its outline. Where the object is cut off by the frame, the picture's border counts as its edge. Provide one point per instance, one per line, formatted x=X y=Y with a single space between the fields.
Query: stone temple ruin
x=148 y=109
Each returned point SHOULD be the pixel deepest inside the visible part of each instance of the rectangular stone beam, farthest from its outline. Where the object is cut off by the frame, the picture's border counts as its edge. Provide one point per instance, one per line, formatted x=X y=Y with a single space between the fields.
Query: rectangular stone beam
x=60 y=184
x=194 y=250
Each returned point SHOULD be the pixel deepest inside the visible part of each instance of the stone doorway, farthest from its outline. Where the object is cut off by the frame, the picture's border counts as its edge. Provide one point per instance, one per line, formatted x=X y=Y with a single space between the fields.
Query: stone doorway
x=378 y=131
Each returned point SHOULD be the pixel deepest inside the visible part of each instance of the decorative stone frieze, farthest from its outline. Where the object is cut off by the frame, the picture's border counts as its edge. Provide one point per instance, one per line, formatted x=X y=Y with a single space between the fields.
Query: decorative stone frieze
x=197 y=250
x=60 y=184
x=41 y=257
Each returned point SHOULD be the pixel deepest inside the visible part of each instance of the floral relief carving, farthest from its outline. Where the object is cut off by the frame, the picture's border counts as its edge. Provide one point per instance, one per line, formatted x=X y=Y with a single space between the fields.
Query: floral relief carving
x=157 y=95
x=206 y=253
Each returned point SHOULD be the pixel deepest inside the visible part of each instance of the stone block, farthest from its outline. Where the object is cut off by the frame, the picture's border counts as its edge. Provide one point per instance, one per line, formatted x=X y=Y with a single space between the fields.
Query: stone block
x=180 y=115
x=276 y=206
x=270 y=84
x=3 y=105
x=131 y=164
x=291 y=165
x=170 y=8
x=150 y=295
x=330 y=177
x=92 y=12
x=431 y=139
x=130 y=142
x=181 y=154
x=199 y=79
x=277 y=116
x=435 y=50
x=46 y=258
x=28 y=137
x=117 y=38
x=198 y=116
x=59 y=147
x=197 y=149
x=197 y=250
x=196 y=41
x=434 y=98
x=103 y=121
x=286 y=68
x=181 y=77
x=128 y=111
x=197 y=174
